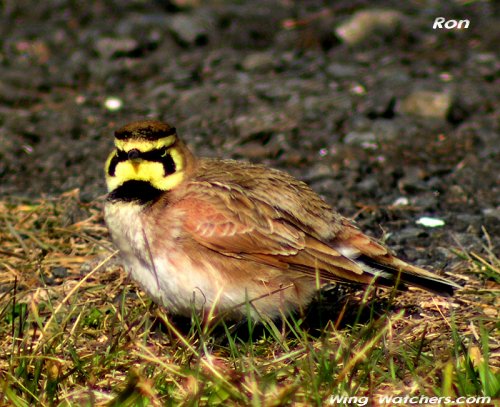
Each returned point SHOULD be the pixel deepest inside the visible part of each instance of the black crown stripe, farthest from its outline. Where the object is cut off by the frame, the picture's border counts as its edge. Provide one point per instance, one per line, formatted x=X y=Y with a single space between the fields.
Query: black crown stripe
x=149 y=133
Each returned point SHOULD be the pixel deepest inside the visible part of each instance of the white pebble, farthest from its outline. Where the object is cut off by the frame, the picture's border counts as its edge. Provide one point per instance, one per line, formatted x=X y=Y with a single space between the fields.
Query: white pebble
x=401 y=201
x=429 y=222
x=113 y=104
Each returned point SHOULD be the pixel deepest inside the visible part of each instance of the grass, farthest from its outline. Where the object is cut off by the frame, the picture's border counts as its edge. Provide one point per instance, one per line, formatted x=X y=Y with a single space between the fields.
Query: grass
x=75 y=331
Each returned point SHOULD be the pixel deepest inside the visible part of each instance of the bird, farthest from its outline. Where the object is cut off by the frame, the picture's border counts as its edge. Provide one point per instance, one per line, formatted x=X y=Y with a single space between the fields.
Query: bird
x=233 y=237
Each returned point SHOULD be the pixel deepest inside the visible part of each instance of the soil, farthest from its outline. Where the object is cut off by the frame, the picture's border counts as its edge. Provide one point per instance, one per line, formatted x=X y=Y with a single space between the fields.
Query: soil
x=271 y=82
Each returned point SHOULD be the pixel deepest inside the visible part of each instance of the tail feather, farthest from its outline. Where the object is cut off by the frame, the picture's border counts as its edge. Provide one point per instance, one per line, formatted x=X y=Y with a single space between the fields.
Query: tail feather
x=376 y=260
x=405 y=274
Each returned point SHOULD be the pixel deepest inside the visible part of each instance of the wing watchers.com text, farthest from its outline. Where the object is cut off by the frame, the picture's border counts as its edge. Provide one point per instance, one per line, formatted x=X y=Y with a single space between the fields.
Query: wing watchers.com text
x=407 y=400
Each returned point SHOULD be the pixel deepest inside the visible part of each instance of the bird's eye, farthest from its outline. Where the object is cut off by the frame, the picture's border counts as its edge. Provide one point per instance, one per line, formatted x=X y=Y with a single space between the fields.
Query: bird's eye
x=164 y=152
x=134 y=154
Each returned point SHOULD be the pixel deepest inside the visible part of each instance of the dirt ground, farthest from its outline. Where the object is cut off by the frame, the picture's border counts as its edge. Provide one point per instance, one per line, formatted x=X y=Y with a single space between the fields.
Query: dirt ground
x=272 y=82
x=390 y=120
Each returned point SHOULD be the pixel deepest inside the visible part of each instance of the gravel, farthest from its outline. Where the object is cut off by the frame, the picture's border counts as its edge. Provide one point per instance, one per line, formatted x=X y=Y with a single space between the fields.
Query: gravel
x=406 y=112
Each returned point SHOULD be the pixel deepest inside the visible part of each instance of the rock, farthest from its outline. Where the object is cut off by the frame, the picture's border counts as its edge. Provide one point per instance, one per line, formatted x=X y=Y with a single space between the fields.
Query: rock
x=427 y=104
x=386 y=130
x=413 y=180
x=190 y=29
x=185 y=4
x=59 y=272
x=467 y=241
x=492 y=213
x=263 y=121
x=111 y=47
x=13 y=96
x=401 y=201
x=340 y=71
x=364 y=139
x=258 y=61
x=469 y=222
x=364 y=24
x=443 y=254
x=408 y=233
x=368 y=185
x=426 y=201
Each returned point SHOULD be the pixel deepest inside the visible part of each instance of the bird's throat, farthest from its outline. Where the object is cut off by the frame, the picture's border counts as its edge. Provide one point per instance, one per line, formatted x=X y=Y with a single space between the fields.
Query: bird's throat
x=141 y=192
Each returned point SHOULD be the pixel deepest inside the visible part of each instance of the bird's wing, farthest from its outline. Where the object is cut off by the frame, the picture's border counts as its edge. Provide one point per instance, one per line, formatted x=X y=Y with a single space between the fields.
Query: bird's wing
x=234 y=225
x=260 y=230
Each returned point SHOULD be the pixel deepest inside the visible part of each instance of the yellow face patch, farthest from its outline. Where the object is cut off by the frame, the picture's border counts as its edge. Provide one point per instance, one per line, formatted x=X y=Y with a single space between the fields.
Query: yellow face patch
x=152 y=172
x=145 y=145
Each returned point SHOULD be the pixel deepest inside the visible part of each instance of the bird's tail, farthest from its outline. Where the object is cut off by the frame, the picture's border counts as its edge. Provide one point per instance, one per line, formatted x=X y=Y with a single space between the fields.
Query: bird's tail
x=388 y=270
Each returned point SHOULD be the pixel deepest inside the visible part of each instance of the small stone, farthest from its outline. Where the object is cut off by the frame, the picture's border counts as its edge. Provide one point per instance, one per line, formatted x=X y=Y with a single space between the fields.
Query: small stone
x=113 y=104
x=189 y=29
x=409 y=232
x=59 y=272
x=110 y=47
x=368 y=185
x=338 y=70
x=427 y=104
x=492 y=213
x=364 y=139
x=429 y=222
x=184 y=4
x=258 y=61
x=412 y=180
x=426 y=201
x=263 y=121
x=386 y=130
x=363 y=24
x=467 y=241
x=469 y=222
x=14 y=96
x=443 y=254
x=401 y=201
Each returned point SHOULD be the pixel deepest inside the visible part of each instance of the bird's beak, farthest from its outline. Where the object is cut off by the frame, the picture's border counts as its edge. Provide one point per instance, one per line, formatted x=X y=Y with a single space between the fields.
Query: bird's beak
x=134 y=157
x=136 y=164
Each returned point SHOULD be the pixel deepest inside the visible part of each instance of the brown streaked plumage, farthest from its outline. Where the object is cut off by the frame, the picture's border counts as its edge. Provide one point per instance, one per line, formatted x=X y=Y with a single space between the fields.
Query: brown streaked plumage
x=221 y=233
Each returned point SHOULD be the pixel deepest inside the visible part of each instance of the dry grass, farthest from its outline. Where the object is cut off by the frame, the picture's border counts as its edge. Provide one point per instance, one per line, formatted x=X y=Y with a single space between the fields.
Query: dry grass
x=75 y=331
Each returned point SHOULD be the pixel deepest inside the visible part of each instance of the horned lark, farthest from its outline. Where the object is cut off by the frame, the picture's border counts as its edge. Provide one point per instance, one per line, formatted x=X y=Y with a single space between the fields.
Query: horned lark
x=201 y=233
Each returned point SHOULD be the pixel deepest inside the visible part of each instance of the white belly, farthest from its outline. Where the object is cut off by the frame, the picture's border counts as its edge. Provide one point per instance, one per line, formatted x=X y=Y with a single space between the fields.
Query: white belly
x=171 y=279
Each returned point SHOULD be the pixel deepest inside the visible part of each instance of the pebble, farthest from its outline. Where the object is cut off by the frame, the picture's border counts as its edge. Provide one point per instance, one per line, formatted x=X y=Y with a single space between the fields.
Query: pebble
x=409 y=232
x=189 y=29
x=258 y=61
x=401 y=201
x=111 y=47
x=430 y=222
x=492 y=213
x=386 y=130
x=360 y=138
x=368 y=185
x=59 y=272
x=13 y=96
x=426 y=200
x=182 y=4
x=365 y=23
x=263 y=121
x=412 y=180
x=342 y=71
x=427 y=104
x=113 y=104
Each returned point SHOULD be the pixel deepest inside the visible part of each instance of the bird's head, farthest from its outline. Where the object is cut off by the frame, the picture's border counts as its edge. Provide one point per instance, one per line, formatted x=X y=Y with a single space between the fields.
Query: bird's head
x=147 y=155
